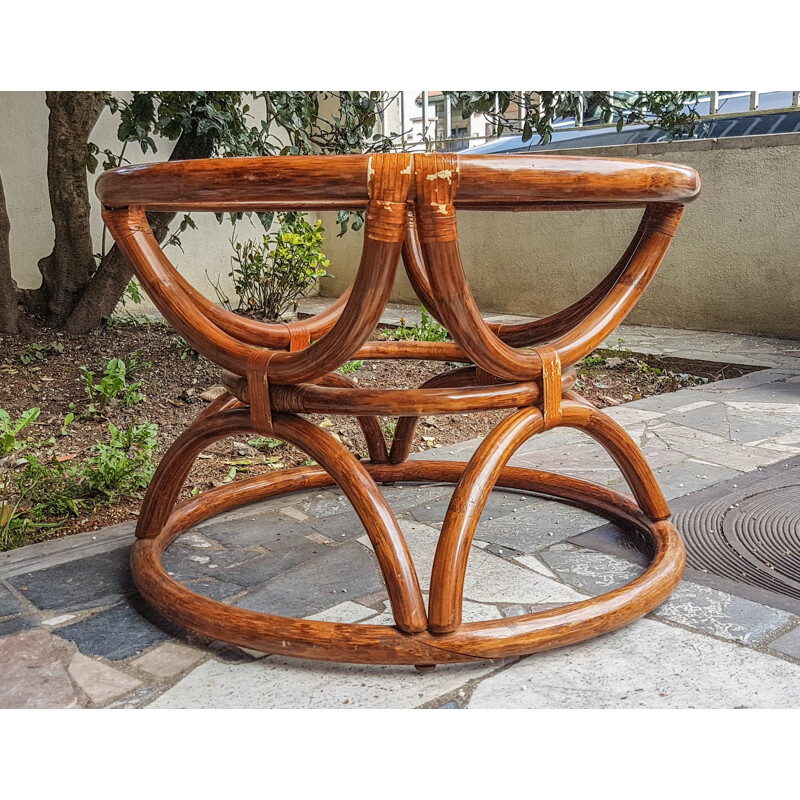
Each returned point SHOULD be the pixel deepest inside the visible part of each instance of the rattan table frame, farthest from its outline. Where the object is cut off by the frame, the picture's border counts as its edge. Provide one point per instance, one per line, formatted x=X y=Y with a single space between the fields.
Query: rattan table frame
x=274 y=373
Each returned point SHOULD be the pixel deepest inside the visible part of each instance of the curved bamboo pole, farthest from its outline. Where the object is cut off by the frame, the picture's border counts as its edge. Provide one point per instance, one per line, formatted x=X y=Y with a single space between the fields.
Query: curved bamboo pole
x=264 y=334
x=459 y=312
x=548 y=328
x=300 y=183
x=370 y=427
x=480 y=477
x=462 y=376
x=414 y=263
x=463 y=513
x=522 y=334
x=391 y=550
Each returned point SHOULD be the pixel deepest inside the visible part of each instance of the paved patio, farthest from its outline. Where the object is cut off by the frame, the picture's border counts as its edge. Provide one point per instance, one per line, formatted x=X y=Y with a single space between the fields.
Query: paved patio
x=74 y=634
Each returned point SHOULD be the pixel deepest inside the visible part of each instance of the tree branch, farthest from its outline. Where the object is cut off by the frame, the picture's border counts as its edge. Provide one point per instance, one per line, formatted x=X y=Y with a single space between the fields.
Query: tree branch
x=9 y=313
x=115 y=272
x=68 y=268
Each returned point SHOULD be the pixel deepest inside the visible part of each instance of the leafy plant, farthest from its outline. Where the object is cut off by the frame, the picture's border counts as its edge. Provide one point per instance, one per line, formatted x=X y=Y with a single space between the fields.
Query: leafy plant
x=123 y=466
x=133 y=365
x=390 y=426
x=270 y=276
x=184 y=348
x=591 y=362
x=39 y=352
x=674 y=112
x=10 y=431
x=68 y=419
x=264 y=443
x=120 y=468
x=133 y=292
x=16 y=526
x=51 y=488
x=114 y=384
x=350 y=367
x=428 y=330
x=129 y=318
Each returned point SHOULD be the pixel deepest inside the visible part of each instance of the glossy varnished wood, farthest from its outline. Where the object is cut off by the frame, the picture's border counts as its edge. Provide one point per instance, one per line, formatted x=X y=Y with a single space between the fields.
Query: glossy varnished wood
x=277 y=372
x=379 y=644
x=341 y=182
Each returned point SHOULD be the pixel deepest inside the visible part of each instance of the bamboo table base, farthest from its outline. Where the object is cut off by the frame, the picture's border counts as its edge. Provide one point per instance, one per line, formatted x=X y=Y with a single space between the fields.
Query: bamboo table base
x=275 y=373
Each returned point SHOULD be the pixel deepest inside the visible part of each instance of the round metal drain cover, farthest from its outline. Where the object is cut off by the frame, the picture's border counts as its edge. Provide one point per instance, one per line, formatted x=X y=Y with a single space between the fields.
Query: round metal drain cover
x=750 y=536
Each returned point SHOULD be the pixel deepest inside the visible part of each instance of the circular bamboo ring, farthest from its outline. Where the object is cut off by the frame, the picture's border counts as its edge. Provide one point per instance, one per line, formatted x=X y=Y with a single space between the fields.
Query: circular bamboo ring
x=382 y=644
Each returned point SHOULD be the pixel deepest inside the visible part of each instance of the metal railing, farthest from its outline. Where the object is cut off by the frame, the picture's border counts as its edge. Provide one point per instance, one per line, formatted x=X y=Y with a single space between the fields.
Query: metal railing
x=412 y=115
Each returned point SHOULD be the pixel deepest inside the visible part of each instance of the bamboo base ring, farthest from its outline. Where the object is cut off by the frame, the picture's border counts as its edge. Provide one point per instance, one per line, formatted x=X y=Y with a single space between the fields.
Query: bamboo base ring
x=381 y=644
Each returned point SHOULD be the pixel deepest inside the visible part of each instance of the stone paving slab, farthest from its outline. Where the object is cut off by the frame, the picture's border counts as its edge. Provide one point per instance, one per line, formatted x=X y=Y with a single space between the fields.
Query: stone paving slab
x=116 y=634
x=83 y=583
x=275 y=682
x=168 y=659
x=254 y=570
x=435 y=508
x=788 y=644
x=32 y=672
x=9 y=603
x=213 y=588
x=35 y=557
x=489 y=578
x=691 y=605
x=645 y=665
x=100 y=682
x=684 y=477
x=22 y=622
x=263 y=530
x=540 y=524
x=349 y=570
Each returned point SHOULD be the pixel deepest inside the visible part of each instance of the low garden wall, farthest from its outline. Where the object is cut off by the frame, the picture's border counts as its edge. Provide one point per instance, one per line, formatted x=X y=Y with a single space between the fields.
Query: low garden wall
x=734 y=265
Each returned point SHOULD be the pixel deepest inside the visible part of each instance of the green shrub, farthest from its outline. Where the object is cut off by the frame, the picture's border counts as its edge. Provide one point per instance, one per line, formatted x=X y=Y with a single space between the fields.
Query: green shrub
x=120 y=468
x=132 y=293
x=51 y=488
x=270 y=276
x=16 y=525
x=589 y=363
x=265 y=443
x=125 y=465
x=39 y=352
x=184 y=348
x=390 y=426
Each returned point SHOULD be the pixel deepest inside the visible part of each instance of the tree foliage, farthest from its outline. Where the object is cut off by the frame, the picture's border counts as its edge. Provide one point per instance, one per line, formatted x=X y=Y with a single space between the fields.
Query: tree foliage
x=673 y=111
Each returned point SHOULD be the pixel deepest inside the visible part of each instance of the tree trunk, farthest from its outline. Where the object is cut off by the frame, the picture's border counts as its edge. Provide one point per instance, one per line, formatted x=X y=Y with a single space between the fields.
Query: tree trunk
x=9 y=313
x=67 y=270
x=115 y=272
